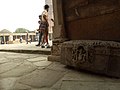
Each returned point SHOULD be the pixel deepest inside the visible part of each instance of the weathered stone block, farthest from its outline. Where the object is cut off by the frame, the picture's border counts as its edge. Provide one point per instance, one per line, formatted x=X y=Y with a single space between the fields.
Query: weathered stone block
x=97 y=56
x=56 y=49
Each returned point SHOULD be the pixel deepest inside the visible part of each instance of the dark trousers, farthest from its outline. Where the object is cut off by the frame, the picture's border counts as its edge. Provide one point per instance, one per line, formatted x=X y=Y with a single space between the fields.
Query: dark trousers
x=40 y=37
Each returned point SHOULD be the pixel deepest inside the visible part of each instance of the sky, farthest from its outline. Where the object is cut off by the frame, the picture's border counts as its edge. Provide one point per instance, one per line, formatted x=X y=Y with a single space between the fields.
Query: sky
x=20 y=14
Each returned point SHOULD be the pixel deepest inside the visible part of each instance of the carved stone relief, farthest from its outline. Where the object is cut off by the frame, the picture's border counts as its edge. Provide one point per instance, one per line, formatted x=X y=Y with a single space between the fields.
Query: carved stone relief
x=79 y=55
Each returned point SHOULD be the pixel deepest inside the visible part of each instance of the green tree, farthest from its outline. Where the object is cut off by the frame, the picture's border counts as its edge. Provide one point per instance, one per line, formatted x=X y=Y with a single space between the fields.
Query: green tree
x=21 y=30
x=5 y=31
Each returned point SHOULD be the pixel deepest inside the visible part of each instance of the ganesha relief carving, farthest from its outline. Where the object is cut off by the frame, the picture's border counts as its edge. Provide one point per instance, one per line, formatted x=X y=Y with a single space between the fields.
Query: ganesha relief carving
x=81 y=55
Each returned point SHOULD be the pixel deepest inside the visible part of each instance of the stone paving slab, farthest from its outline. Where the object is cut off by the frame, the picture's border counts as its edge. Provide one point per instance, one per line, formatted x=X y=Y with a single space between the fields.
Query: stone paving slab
x=44 y=89
x=19 y=86
x=37 y=59
x=8 y=66
x=7 y=83
x=20 y=70
x=57 y=66
x=57 y=85
x=42 y=63
x=80 y=76
x=78 y=85
x=3 y=60
x=41 y=78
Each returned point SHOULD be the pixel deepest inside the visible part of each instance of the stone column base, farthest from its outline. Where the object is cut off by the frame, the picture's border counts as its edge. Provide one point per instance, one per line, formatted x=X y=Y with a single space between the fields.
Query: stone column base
x=56 y=49
x=54 y=58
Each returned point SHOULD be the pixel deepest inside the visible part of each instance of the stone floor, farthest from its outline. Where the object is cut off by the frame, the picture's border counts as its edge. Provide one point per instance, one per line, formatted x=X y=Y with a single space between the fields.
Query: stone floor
x=20 y=71
x=23 y=71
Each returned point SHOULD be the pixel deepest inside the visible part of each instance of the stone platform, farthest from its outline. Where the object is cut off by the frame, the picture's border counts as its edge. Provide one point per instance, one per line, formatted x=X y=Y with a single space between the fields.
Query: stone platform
x=30 y=48
x=101 y=57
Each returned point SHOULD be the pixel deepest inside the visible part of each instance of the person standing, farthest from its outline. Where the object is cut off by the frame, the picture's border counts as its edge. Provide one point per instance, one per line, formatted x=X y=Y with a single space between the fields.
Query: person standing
x=40 y=31
x=44 y=26
x=20 y=39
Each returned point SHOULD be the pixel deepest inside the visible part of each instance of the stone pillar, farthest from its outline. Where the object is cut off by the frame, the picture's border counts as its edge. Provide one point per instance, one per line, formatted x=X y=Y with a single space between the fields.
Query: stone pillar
x=4 y=39
x=32 y=38
x=59 y=34
x=11 y=38
x=58 y=17
x=16 y=36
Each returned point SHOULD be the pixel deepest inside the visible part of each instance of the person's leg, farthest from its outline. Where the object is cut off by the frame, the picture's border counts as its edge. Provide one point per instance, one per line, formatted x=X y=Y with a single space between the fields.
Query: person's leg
x=46 y=36
x=43 y=39
x=40 y=36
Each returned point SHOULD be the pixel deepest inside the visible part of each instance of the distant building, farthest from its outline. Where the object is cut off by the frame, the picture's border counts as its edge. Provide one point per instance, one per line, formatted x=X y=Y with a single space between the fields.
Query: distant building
x=6 y=37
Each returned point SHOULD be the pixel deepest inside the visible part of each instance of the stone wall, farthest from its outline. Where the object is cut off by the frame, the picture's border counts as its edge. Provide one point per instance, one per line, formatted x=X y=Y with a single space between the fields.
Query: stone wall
x=92 y=19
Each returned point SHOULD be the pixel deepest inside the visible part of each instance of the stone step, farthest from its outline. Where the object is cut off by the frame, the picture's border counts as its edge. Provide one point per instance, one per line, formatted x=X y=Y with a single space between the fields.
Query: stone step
x=44 y=52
